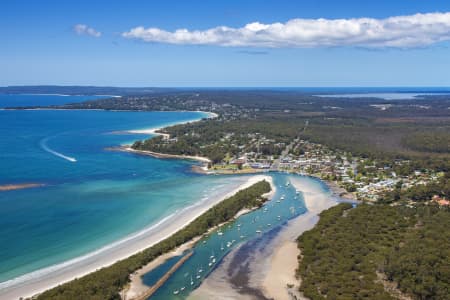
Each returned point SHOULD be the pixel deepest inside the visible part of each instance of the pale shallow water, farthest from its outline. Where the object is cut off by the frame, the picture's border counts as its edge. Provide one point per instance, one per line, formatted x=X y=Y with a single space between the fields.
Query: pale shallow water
x=92 y=197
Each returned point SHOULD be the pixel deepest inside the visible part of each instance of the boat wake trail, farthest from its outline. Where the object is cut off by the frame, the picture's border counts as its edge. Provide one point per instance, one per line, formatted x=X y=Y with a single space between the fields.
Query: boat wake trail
x=44 y=146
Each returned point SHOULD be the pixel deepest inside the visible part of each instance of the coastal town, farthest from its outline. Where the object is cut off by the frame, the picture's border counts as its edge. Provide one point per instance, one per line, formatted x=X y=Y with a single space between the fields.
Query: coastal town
x=353 y=177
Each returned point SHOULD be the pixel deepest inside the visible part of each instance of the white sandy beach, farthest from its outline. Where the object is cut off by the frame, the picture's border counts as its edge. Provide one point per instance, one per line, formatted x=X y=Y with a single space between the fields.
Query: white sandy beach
x=150 y=131
x=153 y=131
x=137 y=287
x=41 y=280
x=162 y=155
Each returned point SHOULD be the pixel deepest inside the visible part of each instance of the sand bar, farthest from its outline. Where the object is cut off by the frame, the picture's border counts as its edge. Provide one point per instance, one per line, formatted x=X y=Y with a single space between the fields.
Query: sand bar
x=20 y=186
x=283 y=262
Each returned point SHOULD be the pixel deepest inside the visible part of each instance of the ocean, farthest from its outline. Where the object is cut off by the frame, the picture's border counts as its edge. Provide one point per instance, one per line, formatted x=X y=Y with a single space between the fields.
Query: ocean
x=91 y=196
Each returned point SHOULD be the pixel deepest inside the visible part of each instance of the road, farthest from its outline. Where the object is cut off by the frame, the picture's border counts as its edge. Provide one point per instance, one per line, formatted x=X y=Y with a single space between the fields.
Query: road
x=276 y=163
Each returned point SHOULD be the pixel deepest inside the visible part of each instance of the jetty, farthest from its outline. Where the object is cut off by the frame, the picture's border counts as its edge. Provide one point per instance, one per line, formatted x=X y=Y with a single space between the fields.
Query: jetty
x=148 y=293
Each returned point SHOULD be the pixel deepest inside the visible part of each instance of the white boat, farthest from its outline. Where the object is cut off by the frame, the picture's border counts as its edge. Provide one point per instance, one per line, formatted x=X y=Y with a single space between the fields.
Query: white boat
x=258 y=231
x=192 y=281
x=268 y=225
x=176 y=292
x=220 y=233
x=221 y=247
x=198 y=276
x=183 y=288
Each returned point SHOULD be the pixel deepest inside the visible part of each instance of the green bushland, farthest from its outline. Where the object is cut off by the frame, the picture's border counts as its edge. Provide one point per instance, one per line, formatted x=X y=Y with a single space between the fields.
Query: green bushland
x=429 y=141
x=343 y=253
x=106 y=283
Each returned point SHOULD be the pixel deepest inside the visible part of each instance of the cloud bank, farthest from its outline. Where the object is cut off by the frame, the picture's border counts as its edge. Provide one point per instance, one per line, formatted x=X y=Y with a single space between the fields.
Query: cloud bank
x=83 y=29
x=411 y=31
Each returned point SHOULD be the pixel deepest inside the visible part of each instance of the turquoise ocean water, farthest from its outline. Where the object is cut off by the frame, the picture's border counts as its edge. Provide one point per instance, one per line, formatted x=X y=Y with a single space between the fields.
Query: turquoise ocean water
x=92 y=196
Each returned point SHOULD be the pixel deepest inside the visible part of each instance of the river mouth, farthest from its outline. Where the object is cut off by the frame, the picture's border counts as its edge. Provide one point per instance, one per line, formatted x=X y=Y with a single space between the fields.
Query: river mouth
x=243 y=237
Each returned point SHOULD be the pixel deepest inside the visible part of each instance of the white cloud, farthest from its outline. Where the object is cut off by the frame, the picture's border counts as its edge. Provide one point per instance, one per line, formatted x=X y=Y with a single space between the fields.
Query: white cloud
x=397 y=32
x=83 y=29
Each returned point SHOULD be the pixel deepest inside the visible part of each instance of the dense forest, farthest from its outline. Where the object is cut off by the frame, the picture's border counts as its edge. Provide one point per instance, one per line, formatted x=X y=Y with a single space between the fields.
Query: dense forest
x=356 y=253
x=107 y=282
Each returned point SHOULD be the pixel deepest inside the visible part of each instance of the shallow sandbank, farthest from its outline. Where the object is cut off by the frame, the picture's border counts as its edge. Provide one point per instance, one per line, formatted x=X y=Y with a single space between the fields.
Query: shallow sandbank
x=11 y=187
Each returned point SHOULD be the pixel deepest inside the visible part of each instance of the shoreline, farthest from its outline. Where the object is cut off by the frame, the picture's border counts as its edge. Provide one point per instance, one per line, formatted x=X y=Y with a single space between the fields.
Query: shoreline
x=41 y=280
x=339 y=191
x=154 y=131
x=162 y=155
x=136 y=286
x=286 y=252
x=38 y=281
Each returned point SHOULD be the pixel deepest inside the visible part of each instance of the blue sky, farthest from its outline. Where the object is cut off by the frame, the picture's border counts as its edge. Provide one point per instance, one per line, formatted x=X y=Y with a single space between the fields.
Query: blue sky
x=40 y=43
